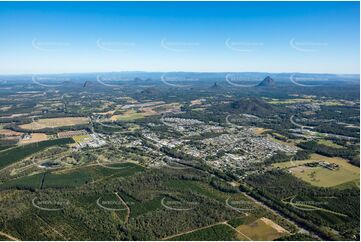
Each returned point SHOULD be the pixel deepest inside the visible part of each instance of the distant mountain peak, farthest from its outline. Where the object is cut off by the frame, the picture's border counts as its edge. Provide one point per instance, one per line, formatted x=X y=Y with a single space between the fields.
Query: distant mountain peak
x=267 y=82
x=215 y=86
x=252 y=105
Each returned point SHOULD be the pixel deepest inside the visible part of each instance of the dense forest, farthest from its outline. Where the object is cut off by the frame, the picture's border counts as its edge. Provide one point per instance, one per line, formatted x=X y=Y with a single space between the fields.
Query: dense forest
x=269 y=188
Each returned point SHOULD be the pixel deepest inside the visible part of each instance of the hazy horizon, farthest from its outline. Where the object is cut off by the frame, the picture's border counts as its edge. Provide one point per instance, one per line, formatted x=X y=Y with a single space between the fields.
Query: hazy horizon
x=195 y=72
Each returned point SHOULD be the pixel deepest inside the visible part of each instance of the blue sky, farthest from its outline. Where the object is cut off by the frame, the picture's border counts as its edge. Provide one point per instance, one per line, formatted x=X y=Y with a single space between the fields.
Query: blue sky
x=314 y=37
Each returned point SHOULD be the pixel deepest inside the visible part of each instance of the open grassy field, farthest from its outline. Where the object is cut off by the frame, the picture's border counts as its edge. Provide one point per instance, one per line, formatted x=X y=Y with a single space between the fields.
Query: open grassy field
x=198 y=109
x=260 y=131
x=10 y=156
x=133 y=127
x=68 y=134
x=166 y=107
x=35 y=137
x=291 y=143
x=129 y=115
x=329 y=143
x=277 y=135
x=320 y=176
x=144 y=110
x=262 y=229
x=306 y=100
x=332 y=103
x=290 y=101
x=9 y=132
x=83 y=175
x=81 y=138
x=196 y=102
x=351 y=184
x=54 y=123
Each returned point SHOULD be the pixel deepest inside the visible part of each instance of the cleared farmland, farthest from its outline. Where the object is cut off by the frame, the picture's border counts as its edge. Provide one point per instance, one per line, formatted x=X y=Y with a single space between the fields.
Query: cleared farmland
x=10 y=156
x=35 y=137
x=54 y=123
x=262 y=229
x=72 y=178
x=320 y=176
